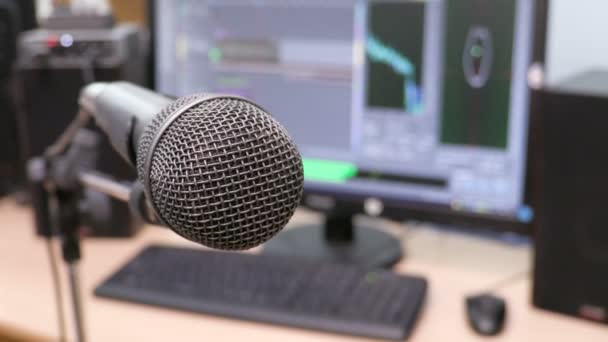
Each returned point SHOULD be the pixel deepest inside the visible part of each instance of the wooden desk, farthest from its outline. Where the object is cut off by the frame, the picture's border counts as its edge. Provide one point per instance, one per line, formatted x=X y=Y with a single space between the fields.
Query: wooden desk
x=455 y=265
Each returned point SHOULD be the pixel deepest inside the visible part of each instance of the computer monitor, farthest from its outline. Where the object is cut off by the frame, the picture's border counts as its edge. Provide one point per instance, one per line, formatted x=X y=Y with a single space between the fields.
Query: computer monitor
x=406 y=109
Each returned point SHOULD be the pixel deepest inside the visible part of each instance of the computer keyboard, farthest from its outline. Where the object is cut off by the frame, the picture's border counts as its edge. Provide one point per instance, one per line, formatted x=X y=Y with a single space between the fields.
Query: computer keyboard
x=293 y=292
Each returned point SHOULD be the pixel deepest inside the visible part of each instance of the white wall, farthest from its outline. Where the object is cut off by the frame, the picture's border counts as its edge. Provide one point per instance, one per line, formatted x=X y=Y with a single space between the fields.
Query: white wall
x=577 y=38
x=43 y=7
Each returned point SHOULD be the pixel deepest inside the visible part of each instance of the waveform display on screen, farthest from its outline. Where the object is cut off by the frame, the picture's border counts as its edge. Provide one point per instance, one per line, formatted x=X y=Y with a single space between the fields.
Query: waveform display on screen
x=394 y=56
x=377 y=51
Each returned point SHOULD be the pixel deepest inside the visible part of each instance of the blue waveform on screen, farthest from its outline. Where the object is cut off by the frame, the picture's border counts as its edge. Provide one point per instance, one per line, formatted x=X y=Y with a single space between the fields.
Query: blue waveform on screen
x=379 y=52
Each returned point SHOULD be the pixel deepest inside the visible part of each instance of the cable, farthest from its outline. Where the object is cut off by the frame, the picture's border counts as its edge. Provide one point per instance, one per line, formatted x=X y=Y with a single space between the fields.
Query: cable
x=76 y=301
x=506 y=281
x=57 y=289
x=52 y=208
x=88 y=68
x=82 y=117
x=65 y=139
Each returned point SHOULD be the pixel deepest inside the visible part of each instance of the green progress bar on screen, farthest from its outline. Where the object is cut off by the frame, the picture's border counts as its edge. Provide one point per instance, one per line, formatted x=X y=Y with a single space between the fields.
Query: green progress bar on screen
x=327 y=170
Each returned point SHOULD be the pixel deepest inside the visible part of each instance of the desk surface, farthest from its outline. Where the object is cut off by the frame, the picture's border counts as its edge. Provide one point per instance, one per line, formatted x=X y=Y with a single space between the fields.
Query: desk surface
x=455 y=266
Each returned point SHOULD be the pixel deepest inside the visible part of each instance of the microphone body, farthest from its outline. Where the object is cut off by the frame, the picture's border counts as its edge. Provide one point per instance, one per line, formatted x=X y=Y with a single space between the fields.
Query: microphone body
x=122 y=110
x=216 y=169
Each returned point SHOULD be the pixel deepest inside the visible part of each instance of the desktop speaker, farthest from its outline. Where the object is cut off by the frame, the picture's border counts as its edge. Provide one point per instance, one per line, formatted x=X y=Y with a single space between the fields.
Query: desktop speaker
x=54 y=65
x=571 y=198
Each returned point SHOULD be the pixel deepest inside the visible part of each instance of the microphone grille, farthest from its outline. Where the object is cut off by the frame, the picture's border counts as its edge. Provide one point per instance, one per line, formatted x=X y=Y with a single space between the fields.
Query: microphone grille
x=146 y=139
x=222 y=173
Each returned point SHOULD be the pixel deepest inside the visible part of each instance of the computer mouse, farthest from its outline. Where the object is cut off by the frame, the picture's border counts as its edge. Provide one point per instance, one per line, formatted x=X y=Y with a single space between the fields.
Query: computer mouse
x=486 y=314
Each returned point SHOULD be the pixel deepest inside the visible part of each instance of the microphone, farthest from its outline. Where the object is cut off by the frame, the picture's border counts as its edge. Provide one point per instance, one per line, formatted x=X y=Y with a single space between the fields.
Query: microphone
x=216 y=169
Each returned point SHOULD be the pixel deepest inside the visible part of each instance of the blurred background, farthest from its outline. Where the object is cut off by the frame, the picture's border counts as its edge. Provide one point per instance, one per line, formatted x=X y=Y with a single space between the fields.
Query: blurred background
x=568 y=54
x=454 y=171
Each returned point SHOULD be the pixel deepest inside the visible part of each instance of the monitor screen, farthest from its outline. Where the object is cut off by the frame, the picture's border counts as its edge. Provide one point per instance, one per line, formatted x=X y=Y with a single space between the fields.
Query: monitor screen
x=423 y=104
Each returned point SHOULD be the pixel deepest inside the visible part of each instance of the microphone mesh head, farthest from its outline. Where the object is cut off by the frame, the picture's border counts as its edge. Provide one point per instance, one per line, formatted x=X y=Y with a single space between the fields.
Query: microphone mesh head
x=222 y=173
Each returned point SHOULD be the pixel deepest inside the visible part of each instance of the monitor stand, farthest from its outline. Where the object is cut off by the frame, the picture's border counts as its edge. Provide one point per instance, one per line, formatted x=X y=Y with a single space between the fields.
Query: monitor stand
x=338 y=240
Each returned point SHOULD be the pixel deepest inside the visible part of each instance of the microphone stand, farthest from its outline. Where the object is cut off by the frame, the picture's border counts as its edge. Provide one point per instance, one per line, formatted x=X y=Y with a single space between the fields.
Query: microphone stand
x=58 y=182
x=69 y=224
x=66 y=212
x=55 y=207
x=61 y=207
x=132 y=194
x=56 y=172
x=106 y=185
x=60 y=177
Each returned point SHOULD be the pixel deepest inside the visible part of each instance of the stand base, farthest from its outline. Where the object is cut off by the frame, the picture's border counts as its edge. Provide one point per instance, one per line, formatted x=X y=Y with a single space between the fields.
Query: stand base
x=370 y=248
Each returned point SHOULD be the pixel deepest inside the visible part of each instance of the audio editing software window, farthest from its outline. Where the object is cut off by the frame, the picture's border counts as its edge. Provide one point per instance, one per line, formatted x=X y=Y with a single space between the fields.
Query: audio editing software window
x=424 y=101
